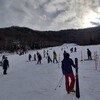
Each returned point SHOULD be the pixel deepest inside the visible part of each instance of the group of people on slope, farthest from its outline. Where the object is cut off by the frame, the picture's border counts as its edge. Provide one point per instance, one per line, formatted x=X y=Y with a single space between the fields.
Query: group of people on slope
x=38 y=57
x=73 y=50
x=67 y=64
x=46 y=55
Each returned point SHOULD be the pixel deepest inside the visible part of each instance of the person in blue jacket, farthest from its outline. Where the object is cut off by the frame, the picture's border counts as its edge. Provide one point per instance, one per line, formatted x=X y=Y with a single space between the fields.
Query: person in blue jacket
x=67 y=64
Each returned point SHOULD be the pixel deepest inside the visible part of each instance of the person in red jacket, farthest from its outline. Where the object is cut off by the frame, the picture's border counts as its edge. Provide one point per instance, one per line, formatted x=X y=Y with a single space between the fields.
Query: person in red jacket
x=67 y=64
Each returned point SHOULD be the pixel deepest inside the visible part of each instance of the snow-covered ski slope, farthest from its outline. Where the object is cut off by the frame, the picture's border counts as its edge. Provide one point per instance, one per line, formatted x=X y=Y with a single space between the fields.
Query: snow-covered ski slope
x=29 y=81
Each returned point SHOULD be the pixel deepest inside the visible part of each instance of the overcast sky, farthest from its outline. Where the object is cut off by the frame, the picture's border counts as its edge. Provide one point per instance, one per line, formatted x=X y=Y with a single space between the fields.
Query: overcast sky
x=50 y=14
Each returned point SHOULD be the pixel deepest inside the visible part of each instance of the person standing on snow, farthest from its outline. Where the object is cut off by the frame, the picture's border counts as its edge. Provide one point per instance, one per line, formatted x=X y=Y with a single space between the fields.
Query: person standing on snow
x=5 y=66
x=39 y=58
x=89 y=54
x=48 y=58
x=29 y=57
x=55 y=57
x=3 y=57
x=75 y=49
x=67 y=71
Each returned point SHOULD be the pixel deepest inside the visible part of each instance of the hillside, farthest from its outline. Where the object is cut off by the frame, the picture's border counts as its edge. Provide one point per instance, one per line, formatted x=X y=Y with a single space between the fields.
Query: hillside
x=12 y=36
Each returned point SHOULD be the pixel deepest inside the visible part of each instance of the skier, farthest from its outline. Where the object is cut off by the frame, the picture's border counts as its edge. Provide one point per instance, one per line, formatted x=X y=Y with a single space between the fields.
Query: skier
x=48 y=58
x=29 y=56
x=3 y=57
x=67 y=71
x=75 y=49
x=39 y=58
x=5 y=66
x=71 y=50
x=89 y=54
x=55 y=57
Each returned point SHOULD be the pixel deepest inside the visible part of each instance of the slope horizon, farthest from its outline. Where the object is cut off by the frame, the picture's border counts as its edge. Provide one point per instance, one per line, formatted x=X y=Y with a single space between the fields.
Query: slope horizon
x=14 y=26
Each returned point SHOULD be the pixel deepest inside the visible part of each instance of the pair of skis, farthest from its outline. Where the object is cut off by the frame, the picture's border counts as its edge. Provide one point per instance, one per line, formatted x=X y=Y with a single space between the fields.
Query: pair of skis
x=77 y=80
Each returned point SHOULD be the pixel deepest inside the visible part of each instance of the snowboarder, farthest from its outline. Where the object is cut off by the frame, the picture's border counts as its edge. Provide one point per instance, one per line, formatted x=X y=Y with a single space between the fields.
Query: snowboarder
x=55 y=57
x=5 y=66
x=89 y=54
x=67 y=71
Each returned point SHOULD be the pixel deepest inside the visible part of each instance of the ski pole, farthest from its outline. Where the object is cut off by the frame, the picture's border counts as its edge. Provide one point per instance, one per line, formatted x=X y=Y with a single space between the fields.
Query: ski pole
x=59 y=83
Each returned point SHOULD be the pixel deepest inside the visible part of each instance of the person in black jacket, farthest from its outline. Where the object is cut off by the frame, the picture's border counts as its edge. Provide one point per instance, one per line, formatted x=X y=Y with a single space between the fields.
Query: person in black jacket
x=39 y=58
x=48 y=58
x=67 y=71
x=3 y=57
x=89 y=54
x=29 y=57
x=5 y=66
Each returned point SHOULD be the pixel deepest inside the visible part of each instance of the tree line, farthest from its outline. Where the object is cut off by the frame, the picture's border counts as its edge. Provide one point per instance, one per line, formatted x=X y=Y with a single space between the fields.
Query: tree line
x=15 y=37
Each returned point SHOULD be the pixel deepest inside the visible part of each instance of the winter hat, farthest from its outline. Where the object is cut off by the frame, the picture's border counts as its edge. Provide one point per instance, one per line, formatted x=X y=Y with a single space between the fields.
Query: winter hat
x=66 y=54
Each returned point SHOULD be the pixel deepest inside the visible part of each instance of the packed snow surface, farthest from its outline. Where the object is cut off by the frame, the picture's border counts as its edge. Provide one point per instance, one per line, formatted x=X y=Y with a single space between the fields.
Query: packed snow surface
x=31 y=81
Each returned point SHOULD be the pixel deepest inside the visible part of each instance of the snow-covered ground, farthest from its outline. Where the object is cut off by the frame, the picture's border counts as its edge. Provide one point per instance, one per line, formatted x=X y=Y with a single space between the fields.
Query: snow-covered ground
x=29 y=81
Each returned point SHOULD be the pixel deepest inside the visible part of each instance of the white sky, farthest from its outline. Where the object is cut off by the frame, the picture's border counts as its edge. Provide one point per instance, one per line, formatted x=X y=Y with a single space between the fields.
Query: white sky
x=49 y=14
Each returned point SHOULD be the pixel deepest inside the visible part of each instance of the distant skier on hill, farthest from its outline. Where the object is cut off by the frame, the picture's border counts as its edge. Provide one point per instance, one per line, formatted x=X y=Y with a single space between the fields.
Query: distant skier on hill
x=75 y=49
x=3 y=57
x=5 y=66
x=71 y=50
x=89 y=54
x=55 y=57
x=48 y=58
x=29 y=57
x=39 y=58
x=67 y=71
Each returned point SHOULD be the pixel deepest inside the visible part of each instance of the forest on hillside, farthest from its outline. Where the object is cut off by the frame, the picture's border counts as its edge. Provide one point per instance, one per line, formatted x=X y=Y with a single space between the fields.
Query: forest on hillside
x=13 y=38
